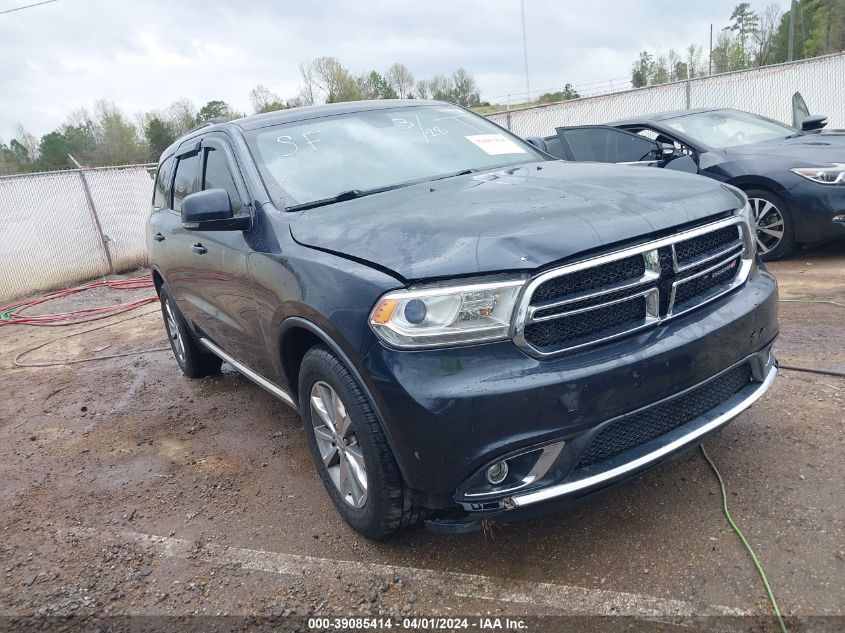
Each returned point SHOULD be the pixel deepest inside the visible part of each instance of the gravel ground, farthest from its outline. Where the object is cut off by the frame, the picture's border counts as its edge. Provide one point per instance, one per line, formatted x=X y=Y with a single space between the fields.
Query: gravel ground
x=128 y=489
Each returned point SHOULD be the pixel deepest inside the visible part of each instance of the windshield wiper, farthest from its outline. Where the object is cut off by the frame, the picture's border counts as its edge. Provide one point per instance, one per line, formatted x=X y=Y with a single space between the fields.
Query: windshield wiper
x=350 y=194
x=463 y=172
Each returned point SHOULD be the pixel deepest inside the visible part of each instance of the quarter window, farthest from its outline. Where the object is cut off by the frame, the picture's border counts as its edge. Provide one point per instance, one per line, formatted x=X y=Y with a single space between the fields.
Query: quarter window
x=186 y=179
x=217 y=173
x=162 y=184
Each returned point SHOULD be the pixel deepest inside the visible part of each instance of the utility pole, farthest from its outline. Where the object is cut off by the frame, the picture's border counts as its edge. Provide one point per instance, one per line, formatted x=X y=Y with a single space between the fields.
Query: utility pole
x=791 y=31
x=525 y=51
x=710 y=65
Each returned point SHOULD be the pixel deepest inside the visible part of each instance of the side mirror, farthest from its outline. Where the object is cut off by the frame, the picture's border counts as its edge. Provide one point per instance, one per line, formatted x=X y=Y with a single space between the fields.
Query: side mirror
x=538 y=142
x=685 y=164
x=814 y=122
x=667 y=150
x=211 y=210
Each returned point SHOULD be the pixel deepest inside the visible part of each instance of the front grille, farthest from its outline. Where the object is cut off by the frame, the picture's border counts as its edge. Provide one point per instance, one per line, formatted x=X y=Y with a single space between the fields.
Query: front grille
x=571 y=328
x=715 y=278
x=590 y=278
x=583 y=304
x=639 y=428
x=703 y=245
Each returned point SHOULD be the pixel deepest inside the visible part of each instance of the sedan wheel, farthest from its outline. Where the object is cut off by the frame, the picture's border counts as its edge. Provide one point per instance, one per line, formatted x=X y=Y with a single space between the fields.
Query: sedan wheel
x=338 y=444
x=770 y=226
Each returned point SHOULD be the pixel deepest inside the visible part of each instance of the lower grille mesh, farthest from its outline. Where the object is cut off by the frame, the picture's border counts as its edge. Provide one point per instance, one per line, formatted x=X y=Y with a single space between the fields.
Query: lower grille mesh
x=648 y=425
x=602 y=321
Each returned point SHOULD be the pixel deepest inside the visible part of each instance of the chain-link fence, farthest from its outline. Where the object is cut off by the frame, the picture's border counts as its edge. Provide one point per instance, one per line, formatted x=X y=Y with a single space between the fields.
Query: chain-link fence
x=767 y=91
x=59 y=228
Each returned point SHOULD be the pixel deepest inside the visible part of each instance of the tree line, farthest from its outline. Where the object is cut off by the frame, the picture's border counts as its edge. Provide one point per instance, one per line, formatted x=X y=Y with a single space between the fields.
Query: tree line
x=751 y=39
x=104 y=135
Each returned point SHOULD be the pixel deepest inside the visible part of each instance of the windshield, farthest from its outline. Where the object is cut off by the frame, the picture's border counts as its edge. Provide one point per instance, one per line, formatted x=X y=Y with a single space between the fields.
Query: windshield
x=316 y=159
x=729 y=128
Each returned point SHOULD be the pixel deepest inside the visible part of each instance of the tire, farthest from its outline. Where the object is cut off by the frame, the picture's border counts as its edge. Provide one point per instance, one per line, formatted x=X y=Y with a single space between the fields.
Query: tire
x=772 y=216
x=387 y=505
x=193 y=361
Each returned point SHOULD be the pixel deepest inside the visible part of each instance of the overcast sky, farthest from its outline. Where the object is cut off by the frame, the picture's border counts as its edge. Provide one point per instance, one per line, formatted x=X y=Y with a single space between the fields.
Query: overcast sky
x=144 y=55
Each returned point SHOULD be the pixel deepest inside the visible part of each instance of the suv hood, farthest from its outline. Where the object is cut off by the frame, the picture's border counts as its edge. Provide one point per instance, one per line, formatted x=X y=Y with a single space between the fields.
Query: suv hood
x=519 y=218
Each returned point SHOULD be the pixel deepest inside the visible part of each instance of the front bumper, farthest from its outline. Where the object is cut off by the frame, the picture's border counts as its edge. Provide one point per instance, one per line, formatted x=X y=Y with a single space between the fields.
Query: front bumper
x=645 y=456
x=450 y=413
x=814 y=206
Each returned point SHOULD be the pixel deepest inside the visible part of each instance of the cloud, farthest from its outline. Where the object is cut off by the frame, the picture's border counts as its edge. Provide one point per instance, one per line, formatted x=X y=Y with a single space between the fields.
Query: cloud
x=66 y=55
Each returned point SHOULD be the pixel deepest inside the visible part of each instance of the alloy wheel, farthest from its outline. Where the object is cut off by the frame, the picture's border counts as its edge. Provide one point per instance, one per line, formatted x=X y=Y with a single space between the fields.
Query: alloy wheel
x=769 y=224
x=174 y=333
x=338 y=444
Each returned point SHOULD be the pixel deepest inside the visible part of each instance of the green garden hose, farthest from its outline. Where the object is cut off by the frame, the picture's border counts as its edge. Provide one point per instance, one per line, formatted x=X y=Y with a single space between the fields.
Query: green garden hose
x=744 y=541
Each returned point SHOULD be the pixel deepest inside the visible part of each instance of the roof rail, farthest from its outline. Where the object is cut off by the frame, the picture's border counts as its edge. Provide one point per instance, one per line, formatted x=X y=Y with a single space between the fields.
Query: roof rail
x=214 y=121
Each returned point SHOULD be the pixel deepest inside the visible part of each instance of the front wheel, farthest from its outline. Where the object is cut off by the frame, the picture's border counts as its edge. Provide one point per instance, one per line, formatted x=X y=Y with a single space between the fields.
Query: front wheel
x=350 y=450
x=773 y=224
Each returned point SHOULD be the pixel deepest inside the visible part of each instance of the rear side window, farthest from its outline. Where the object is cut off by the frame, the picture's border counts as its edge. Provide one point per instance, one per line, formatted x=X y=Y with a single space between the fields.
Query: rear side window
x=608 y=145
x=162 y=184
x=186 y=181
x=217 y=173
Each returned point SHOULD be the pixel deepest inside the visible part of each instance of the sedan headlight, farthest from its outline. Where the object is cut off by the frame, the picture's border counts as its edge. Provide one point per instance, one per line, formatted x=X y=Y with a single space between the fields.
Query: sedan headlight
x=833 y=175
x=447 y=314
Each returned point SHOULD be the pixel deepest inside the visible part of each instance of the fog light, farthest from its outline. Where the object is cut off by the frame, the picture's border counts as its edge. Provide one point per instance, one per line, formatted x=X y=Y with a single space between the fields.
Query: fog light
x=497 y=472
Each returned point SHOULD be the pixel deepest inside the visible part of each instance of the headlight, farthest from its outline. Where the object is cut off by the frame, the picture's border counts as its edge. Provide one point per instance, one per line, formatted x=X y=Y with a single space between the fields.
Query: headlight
x=447 y=314
x=833 y=175
x=747 y=214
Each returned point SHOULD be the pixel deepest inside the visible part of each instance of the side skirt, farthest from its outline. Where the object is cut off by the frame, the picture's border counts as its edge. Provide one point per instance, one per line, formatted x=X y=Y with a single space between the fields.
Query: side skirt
x=257 y=378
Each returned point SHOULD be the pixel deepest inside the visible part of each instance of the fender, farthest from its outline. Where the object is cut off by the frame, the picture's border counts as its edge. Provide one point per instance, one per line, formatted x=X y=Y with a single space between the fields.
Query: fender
x=757 y=182
x=295 y=321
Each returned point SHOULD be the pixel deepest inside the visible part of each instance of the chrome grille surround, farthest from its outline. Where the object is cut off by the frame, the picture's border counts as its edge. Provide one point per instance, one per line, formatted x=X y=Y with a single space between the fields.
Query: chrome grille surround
x=704 y=269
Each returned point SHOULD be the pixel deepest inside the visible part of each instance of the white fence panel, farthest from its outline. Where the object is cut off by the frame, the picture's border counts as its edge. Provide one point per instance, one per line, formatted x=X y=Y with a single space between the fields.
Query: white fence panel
x=123 y=198
x=767 y=91
x=47 y=235
x=48 y=231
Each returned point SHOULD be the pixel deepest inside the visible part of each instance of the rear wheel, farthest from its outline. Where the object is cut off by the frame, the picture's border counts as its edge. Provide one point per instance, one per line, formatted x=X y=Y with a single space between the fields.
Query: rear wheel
x=193 y=361
x=773 y=224
x=350 y=450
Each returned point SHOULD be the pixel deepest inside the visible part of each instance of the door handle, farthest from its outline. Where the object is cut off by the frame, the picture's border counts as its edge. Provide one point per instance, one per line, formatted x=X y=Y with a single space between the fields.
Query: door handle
x=199 y=248
x=158 y=237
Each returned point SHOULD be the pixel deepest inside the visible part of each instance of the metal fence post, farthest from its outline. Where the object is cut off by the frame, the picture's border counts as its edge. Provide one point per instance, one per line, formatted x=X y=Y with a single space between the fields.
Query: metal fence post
x=104 y=239
x=508 y=115
x=689 y=93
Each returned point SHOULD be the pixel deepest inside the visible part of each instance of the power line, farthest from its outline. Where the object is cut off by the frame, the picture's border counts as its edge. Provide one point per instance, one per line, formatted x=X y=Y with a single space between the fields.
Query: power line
x=28 y=6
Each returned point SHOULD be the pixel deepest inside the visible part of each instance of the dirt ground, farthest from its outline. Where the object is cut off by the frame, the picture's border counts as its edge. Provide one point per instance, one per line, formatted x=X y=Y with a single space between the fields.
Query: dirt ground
x=128 y=489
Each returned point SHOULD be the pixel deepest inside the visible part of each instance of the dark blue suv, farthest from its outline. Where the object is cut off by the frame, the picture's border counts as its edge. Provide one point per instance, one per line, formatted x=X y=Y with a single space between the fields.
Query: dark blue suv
x=469 y=329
